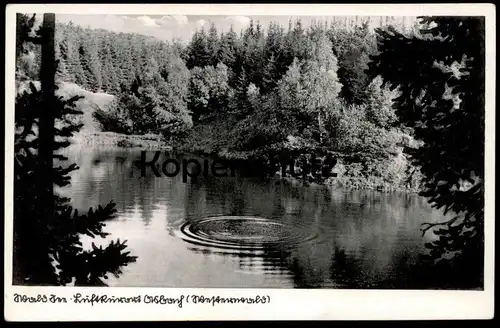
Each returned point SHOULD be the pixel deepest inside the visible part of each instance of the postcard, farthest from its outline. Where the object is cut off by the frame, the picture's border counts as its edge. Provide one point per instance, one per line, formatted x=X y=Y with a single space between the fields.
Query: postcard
x=249 y=162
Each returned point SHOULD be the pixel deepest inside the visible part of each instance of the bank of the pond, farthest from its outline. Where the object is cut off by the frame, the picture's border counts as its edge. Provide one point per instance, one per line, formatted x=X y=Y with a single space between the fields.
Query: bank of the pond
x=342 y=175
x=112 y=139
x=399 y=175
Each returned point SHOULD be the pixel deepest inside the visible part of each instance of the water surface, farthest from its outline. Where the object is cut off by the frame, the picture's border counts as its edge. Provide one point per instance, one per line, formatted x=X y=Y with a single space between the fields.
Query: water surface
x=245 y=232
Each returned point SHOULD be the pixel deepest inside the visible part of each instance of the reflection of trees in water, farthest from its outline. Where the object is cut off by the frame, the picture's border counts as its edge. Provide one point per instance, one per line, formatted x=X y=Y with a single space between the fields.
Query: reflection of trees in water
x=195 y=200
x=267 y=260
x=145 y=200
x=301 y=277
x=342 y=271
x=238 y=203
x=364 y=230
x=112 y=174
x=407 y=272
x=375 y=234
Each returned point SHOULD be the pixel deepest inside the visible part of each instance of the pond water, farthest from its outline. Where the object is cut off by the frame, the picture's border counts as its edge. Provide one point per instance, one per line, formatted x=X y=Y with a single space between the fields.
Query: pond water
x=245 y=232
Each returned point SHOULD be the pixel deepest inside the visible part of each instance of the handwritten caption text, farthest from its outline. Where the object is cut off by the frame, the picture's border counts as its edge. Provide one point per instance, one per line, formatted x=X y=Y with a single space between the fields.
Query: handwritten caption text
x=179 y=301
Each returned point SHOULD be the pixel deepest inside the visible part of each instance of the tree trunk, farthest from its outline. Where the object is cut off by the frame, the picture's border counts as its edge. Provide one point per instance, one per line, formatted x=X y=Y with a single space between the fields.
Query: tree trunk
x=320 y=127
x=46 y=120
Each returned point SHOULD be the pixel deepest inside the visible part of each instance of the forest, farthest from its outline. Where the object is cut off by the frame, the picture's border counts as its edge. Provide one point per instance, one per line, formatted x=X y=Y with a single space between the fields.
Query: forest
x=262 y=92
x=399 y=111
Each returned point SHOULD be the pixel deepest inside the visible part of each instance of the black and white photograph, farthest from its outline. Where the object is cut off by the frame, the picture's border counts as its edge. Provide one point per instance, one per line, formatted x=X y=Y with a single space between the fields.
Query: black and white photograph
x=249 y=151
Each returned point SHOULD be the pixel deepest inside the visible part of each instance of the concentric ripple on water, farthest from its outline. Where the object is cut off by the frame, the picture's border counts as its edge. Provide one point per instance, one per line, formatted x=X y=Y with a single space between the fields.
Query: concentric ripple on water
x=243 y=233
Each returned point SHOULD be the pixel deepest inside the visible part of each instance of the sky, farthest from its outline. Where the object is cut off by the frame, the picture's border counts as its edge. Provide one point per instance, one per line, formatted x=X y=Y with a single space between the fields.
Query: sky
x=168 y=27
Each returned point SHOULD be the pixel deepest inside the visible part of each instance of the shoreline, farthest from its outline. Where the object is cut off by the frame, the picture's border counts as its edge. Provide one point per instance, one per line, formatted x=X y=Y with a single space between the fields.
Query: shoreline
x=112 y=139
x=157 y=143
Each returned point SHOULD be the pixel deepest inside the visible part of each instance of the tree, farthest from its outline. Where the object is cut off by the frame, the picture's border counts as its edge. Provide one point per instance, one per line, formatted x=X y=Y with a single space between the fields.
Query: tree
x=238 y=102
x=296 y=42
x=227 y=49
x=213 y=44
x=74 y=62
x=198 y=52
x=47 y=246
x=173 y=116
x=110 y=81
x=209 y=91
x=90 y=65
x=440 y=74
x=62 y=55
x=270 y=75
x=380 y=98
x=310 y=88
x=151 y=76
x=353 y=50
x=198 y=94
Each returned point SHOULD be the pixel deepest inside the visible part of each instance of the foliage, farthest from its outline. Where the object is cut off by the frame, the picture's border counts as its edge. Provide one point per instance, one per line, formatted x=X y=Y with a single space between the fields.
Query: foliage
x=281 y=93
x=260 y=88
x=155 y=103
x=440 y=74
x=48 y=248
x=353 y=50
x=380 y=101
x=100 y=60
x=208 y=91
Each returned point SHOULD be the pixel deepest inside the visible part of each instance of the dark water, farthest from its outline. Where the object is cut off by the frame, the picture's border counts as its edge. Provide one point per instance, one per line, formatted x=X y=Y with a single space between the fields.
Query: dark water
x=243 y=232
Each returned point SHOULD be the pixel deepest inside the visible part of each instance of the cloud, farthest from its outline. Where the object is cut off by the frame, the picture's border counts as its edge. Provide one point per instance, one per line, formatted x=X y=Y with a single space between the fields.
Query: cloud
x=148 y=21
x=201 y=23
x=109 y=22
x=177 y=19
x=241 y=20
x=169 y=20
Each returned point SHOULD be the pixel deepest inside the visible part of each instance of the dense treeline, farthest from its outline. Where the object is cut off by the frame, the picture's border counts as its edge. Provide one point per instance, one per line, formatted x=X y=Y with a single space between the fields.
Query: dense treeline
x=295 y=90
x=102 y=61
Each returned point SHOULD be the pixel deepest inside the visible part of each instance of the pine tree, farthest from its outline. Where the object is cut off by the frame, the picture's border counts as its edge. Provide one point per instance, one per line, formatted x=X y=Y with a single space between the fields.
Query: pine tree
x=441 y=79
x=270 y=76
x=73 y=62
x=90 y=65
x=126 y=64
x=353 y=50
x=239 y=103
x=62 y=55
x=95 y=64
x=213 y=45
x=228 y=50
x=87 y=70
x=62 y=72
x=110 y=77
x=274 y=40
x=275 y=47
x=198 y=53
x=47 y=247
x=116 y=50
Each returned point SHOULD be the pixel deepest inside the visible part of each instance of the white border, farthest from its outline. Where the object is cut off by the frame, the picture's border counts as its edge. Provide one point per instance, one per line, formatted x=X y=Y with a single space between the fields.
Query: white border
x=285 y=304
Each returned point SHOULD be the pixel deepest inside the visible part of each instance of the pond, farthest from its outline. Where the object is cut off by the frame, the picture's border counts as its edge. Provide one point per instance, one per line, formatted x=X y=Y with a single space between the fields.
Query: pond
x=246 y=232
